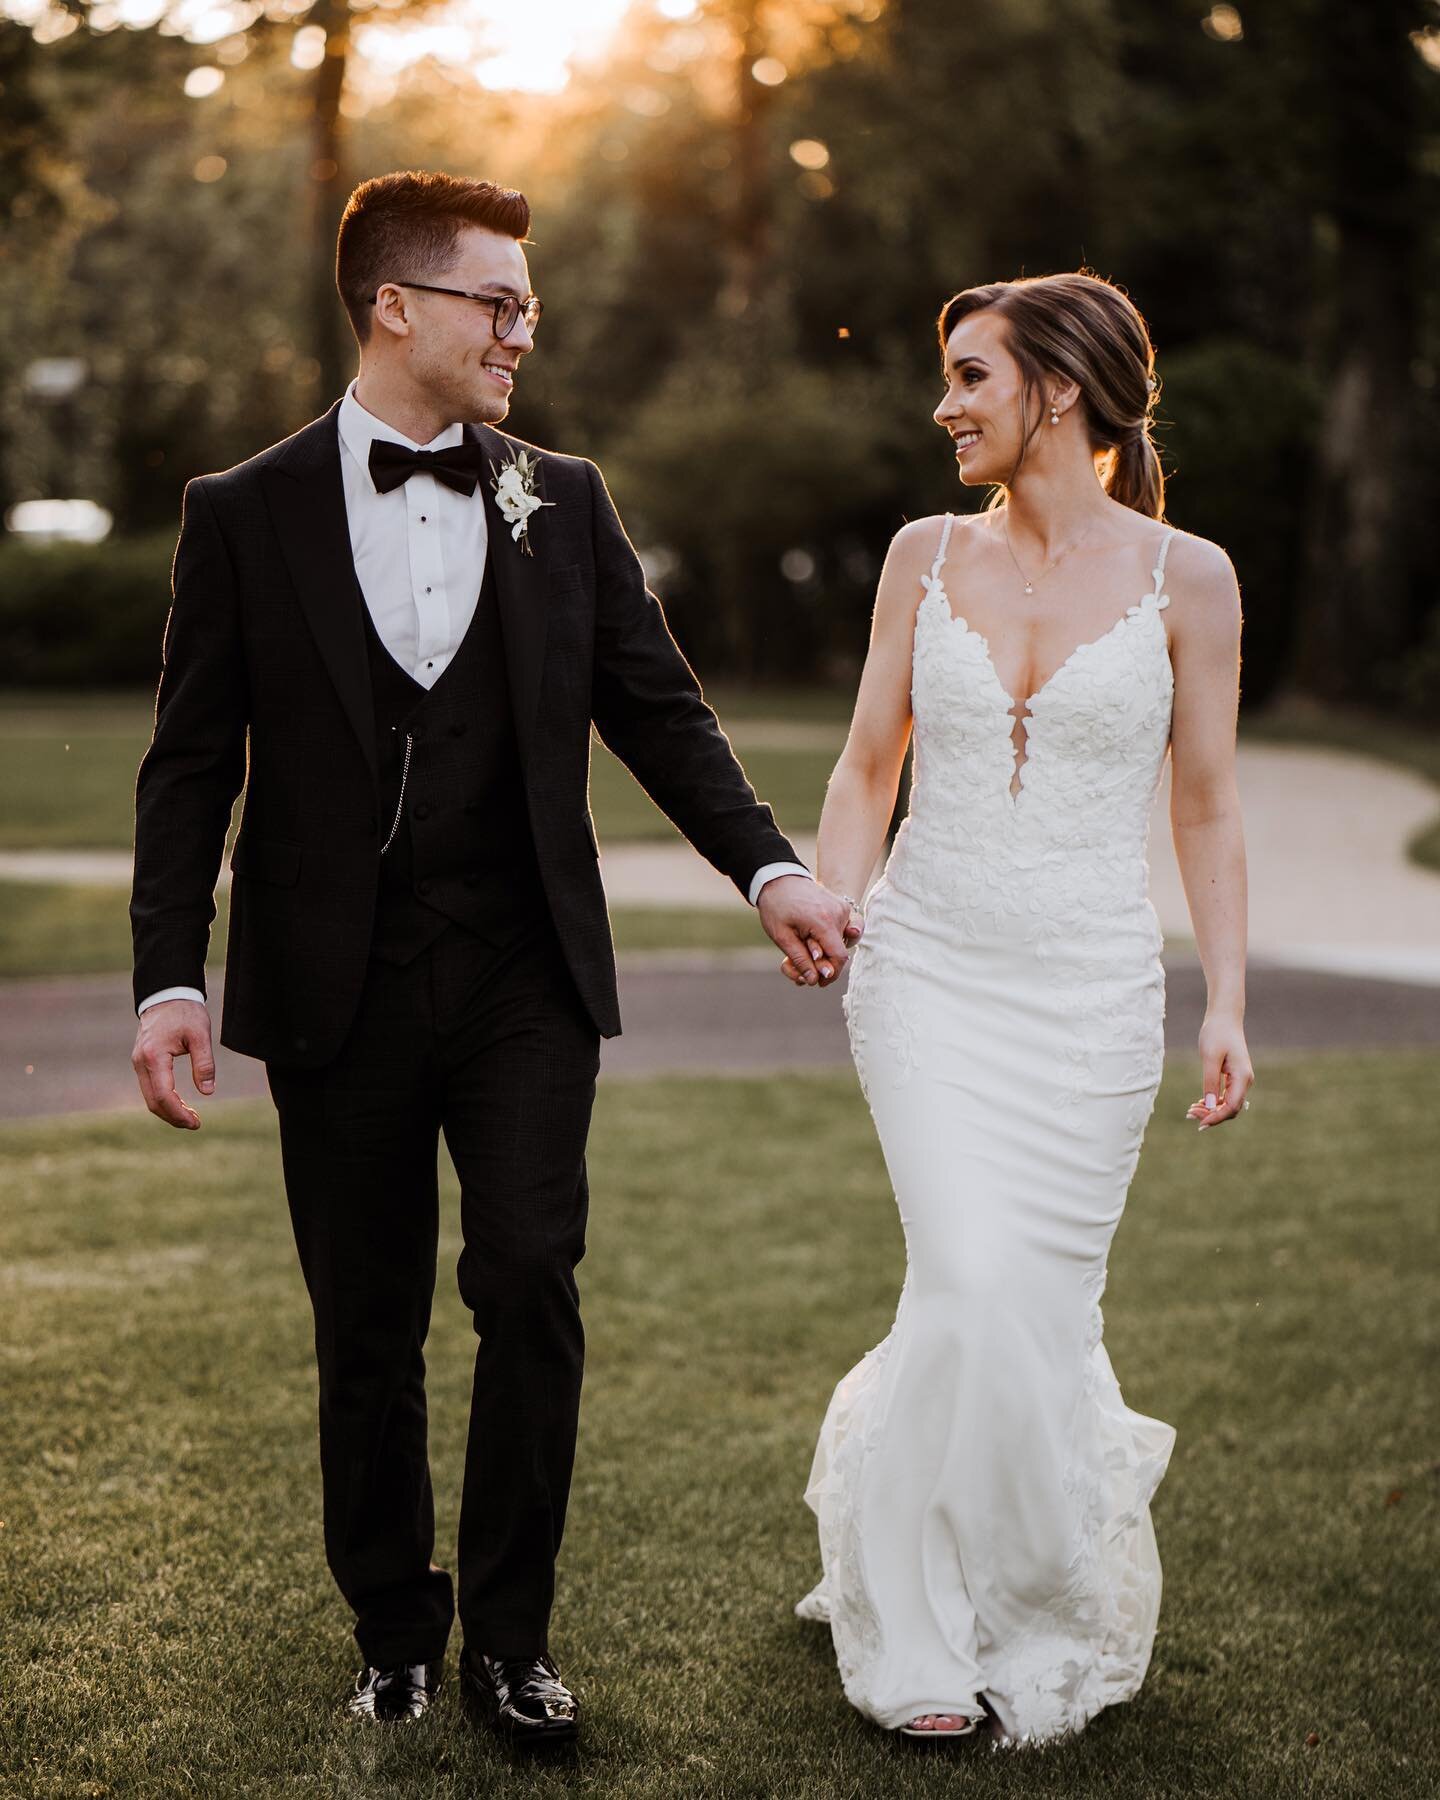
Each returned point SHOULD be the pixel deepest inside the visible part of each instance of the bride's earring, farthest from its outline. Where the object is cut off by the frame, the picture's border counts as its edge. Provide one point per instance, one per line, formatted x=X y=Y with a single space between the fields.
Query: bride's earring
x=1054 y=416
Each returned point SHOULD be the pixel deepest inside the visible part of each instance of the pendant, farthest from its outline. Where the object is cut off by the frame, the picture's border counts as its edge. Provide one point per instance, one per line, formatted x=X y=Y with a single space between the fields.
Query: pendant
x=1028 y=588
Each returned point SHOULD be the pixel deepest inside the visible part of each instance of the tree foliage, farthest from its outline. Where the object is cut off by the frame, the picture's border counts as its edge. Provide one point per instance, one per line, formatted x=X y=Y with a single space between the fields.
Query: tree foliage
x=745 y=223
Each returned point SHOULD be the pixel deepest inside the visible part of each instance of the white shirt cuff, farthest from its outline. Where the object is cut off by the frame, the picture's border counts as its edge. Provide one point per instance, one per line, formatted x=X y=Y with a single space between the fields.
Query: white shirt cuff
x=175 y=993
x=769 y=873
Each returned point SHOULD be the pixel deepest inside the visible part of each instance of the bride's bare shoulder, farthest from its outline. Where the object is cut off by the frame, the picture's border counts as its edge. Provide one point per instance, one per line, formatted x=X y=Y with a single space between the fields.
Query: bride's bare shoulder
x=916 y=544
x=1200 y=579
x=918 y=539
x=909 y=559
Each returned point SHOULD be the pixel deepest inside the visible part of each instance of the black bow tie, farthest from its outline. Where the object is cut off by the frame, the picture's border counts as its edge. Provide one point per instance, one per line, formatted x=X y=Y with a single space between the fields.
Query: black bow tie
x=392 y=465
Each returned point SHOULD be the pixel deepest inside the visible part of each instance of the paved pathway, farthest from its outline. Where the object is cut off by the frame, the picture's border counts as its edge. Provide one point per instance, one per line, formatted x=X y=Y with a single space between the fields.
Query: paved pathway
x=65 y=1044
x=1345 y=936
x=1331 y=888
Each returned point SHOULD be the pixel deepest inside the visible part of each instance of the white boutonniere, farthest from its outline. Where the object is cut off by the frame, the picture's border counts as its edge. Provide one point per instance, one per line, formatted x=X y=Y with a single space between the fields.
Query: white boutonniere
x=515 y=495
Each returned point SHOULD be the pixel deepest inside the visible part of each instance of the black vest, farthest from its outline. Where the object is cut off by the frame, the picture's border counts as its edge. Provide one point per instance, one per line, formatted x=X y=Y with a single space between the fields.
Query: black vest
x=462 y=851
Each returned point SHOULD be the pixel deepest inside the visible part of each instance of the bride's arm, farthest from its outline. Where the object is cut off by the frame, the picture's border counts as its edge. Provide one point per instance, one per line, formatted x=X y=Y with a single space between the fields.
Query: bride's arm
x=1205 y=810
x=861 y=794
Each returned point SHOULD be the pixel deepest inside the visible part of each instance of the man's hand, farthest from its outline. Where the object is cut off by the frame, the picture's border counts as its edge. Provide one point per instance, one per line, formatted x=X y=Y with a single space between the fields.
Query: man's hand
x=173 y=1028
x=814 y=928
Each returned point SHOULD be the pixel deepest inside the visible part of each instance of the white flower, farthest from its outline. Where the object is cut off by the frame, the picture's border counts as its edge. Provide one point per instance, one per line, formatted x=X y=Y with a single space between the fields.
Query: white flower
x=515 y=495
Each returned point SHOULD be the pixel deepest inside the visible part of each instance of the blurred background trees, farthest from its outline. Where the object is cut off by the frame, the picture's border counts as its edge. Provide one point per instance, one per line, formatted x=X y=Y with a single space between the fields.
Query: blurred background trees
x=747 y=215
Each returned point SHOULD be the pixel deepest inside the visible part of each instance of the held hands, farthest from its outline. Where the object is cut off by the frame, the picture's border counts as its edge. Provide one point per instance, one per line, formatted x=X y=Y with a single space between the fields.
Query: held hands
x=815 y=928
x=170 y=1029
x=1227 y=1072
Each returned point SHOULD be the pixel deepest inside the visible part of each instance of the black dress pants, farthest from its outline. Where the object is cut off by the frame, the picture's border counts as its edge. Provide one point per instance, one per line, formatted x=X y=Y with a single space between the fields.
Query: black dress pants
x=494 y=1048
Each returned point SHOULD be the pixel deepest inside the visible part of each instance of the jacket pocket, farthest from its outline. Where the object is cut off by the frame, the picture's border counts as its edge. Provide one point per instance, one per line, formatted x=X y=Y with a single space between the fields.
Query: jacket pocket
x=266 y=859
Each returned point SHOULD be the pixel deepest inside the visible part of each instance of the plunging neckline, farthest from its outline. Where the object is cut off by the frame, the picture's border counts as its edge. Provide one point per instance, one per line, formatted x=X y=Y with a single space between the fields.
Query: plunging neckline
x=954 y=618
x=1023 y=713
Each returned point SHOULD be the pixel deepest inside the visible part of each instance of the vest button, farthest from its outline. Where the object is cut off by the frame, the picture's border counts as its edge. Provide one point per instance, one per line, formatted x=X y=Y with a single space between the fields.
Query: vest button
x=374 y=825
x=421 y=809
x=472 y=881
x=472 y=807
x=457 y=729
x=422 y=887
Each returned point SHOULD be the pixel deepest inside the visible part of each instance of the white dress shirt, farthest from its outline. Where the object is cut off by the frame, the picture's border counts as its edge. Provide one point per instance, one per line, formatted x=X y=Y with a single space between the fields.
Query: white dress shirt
x=419 y=550
x=420 y=560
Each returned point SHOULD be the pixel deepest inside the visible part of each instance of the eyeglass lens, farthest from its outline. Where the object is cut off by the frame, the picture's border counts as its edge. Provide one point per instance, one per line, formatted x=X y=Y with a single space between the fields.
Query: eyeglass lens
x=508 y=310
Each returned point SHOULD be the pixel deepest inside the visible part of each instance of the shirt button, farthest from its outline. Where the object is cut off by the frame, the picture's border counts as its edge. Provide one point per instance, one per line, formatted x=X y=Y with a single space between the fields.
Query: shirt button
x=429 y=590
x=422 y=518
x=421 y=810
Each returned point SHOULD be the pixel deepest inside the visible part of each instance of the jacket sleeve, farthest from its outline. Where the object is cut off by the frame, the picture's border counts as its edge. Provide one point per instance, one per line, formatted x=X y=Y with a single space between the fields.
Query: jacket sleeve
x=648 y=708
x=195 y=765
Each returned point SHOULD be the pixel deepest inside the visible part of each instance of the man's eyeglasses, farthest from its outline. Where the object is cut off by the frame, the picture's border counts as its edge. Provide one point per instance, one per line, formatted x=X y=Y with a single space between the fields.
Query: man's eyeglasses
x=505 y=309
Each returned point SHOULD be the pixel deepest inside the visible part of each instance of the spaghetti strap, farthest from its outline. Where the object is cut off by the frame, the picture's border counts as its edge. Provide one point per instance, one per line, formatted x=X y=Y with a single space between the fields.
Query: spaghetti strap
x=1159 y=569
x=939 y=562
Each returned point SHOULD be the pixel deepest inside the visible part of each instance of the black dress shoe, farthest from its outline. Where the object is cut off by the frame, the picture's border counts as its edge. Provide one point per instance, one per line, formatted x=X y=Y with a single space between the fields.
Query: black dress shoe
x=389 y=1695
x=523 y=1697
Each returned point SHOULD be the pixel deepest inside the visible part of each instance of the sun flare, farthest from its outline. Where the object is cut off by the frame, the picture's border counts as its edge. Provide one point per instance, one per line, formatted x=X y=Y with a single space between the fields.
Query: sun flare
x=515 y=44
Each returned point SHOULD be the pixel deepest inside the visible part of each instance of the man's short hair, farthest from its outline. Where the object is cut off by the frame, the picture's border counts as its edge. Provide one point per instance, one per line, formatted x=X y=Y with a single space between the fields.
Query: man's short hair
x=404 y=227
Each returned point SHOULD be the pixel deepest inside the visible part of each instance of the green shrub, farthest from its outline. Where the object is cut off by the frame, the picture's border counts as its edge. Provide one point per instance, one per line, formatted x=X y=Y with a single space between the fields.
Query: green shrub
x=1414 y=681
x=90 y=615
x=1238 y=426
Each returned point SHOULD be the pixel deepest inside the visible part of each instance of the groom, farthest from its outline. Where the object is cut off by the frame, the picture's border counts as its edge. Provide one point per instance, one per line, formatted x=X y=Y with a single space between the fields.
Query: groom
x=394 y=630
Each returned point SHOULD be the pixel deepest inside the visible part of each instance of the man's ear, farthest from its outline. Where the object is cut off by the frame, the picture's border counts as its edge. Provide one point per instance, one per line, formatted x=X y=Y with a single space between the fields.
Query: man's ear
x=390 y=310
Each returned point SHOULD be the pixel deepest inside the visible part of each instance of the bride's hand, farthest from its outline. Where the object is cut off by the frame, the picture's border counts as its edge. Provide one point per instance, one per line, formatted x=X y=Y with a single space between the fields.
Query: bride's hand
x=853 y=932
x=1227 y=1071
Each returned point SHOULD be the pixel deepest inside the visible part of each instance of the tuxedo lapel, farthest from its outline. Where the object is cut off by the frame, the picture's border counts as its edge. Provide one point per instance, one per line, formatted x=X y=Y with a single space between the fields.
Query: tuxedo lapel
x=521 y=584
x=306 y=496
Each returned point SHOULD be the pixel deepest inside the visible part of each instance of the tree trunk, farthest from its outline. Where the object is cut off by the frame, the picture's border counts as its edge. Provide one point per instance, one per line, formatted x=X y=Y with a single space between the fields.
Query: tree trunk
x=745 y=308
x=1355 y=615
x=747 y=233
x=332 y=345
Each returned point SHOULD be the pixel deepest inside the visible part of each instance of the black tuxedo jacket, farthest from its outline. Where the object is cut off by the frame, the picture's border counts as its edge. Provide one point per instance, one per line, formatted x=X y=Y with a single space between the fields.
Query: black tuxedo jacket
x=266 y=686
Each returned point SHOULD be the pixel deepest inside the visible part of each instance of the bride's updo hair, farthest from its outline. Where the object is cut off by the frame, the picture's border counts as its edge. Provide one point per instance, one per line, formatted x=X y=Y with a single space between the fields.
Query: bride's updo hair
x=1085 y=330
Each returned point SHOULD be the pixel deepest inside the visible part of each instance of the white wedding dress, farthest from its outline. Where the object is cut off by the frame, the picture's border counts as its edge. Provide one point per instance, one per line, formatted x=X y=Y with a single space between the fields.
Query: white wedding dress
x=982 y=1489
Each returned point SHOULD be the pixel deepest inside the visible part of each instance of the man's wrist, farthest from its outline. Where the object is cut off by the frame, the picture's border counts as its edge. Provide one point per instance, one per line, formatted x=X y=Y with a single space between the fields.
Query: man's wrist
x=772 y=872
x=170 y=993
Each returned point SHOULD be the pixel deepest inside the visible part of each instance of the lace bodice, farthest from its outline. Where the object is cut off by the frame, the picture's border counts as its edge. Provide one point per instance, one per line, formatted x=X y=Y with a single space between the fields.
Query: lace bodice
x=1073 y=836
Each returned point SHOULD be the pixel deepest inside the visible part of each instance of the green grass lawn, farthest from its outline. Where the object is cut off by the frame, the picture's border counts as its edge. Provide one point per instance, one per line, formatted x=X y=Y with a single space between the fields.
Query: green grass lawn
x=71 y=930
x=60 y=929
x=67 y=769
x=170 y=1628
x=68 y=762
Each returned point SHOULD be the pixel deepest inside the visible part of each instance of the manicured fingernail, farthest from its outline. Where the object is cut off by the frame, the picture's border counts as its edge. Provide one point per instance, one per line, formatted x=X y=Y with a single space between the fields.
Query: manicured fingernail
x=1210 y=1101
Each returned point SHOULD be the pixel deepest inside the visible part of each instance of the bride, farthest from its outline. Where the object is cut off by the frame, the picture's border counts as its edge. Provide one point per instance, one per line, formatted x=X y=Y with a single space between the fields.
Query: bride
x=982 y=1490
